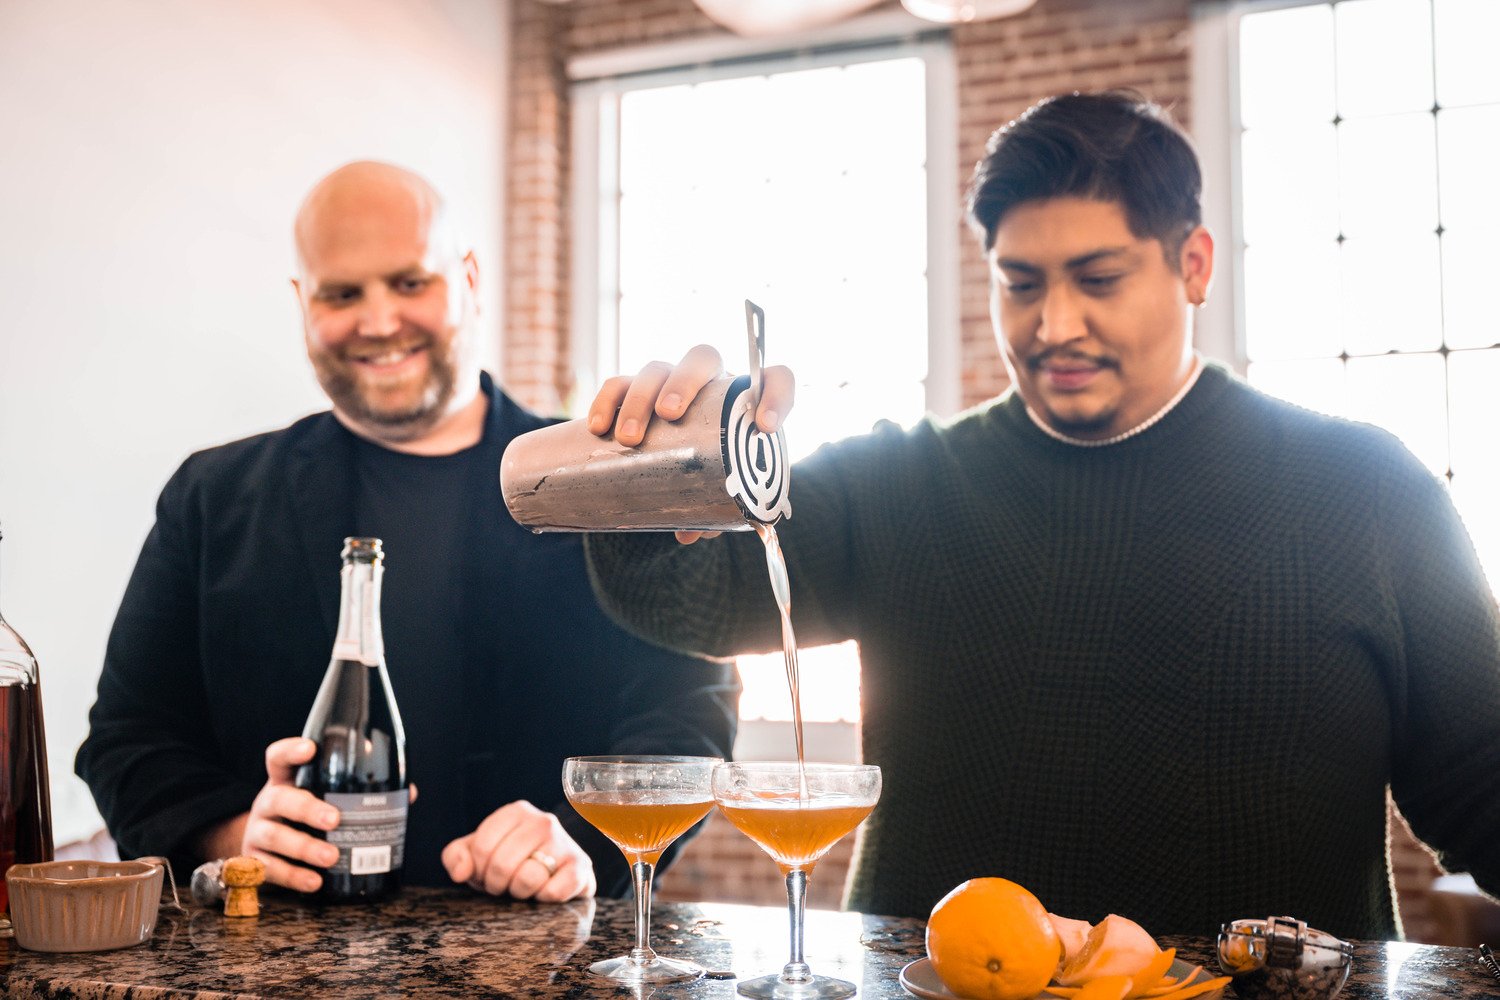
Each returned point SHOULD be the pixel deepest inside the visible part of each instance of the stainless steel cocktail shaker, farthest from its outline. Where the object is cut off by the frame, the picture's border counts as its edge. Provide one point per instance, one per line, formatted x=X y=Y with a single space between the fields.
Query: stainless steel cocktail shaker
x=710 y=470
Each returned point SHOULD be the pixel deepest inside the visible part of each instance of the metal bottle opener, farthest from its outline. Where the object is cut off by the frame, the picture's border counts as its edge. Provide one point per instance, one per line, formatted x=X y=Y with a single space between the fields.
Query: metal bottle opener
x=1281 y=958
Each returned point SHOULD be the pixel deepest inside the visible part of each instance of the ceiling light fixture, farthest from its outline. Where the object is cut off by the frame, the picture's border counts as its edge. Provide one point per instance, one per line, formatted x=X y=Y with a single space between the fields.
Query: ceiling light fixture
x=775 y=17
x=963 y=11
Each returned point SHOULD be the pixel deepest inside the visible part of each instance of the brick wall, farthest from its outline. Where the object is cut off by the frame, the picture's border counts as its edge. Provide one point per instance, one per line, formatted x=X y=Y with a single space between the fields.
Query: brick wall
x=1005 y=66
x=1002 y=67
x=1412 y=870
x=534 y=355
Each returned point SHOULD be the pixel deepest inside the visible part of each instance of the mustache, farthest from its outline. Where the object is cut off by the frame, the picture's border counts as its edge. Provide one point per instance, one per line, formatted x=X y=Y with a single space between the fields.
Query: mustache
x=1036 y=362
x=365 y=349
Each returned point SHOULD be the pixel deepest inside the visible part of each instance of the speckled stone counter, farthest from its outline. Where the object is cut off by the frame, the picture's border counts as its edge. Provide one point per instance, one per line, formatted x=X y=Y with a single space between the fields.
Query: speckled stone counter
x=440 y=943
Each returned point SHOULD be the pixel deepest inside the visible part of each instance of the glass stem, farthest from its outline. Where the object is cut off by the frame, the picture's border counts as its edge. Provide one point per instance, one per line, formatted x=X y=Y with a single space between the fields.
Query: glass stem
x=640 y=873
x=796 y=970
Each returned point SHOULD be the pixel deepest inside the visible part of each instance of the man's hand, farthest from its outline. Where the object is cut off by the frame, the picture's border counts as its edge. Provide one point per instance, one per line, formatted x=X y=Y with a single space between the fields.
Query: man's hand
x=627 y=404
x=266 y=833
x=524 y=852
x=263 y=831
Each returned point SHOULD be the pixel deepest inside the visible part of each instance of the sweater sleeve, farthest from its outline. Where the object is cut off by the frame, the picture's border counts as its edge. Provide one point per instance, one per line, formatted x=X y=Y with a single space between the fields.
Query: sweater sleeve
x=1446 y=766
x=714 y=597
x=150 y=757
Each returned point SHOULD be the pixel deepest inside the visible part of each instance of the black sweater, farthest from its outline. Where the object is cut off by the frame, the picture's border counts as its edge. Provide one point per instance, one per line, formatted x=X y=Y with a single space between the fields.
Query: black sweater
x=1170 y=677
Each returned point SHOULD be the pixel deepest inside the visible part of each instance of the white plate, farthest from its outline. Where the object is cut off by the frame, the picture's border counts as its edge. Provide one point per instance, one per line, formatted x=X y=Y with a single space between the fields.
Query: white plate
x=920 y=979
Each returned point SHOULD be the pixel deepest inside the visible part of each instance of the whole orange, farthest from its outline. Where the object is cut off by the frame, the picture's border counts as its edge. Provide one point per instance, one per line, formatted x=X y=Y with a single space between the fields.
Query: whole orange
x=991 y=939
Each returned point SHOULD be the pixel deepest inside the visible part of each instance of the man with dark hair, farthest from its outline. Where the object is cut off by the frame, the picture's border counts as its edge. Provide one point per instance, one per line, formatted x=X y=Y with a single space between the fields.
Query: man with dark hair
x=1133 y=635
x=1113 y=147
x=501 y=661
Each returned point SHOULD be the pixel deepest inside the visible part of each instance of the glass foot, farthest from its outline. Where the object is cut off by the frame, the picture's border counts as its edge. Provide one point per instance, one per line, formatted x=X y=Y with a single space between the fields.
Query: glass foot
x=812 y=988
x=658 y=970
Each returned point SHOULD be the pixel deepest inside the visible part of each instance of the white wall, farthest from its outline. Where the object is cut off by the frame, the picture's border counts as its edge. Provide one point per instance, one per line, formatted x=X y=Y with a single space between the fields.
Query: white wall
x=152 y=154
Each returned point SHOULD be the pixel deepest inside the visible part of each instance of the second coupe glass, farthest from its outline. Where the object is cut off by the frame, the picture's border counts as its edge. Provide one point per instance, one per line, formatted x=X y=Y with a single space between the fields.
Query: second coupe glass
x=796 y=815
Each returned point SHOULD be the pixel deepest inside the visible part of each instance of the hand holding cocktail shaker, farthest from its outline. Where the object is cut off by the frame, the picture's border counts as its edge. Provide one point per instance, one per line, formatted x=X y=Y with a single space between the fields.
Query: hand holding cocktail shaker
x=710 y=470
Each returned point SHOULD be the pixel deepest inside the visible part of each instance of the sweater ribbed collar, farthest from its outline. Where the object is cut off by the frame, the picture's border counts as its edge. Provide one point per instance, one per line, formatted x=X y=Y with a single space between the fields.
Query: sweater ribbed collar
x=1144 y=425
x=1201 y=393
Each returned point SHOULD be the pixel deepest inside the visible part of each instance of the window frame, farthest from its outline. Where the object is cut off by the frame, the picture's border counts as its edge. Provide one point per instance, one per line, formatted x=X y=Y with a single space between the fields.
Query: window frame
x=595 y=191
x=596 y=92
x=1215 y=31
x=1215 y=93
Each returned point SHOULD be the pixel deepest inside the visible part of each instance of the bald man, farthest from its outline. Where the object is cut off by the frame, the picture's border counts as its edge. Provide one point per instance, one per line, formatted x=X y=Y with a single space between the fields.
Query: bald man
x=501 y=661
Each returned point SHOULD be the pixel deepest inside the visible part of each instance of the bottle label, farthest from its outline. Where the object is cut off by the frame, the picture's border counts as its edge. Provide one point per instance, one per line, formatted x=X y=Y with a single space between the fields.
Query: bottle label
x=371 y=835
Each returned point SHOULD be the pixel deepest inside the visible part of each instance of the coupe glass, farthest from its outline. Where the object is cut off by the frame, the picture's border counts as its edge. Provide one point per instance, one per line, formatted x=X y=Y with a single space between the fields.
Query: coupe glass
x=642 y=804
x=796 y=819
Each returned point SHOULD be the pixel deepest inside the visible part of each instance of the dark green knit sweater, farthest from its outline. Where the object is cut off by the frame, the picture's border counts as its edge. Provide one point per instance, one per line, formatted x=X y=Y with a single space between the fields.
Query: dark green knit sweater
x=1170 y=678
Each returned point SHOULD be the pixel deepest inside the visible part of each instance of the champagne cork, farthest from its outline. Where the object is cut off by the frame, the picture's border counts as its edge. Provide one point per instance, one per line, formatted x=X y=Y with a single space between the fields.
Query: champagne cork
x=241 y=877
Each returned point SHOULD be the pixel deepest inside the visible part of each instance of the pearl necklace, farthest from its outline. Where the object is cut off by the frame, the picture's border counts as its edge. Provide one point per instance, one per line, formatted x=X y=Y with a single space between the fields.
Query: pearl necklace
x=1137 y=429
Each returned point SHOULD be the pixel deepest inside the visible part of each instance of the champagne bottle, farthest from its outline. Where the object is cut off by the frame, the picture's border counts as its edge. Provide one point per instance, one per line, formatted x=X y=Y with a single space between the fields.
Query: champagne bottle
x=360 y=766
x=25 y=802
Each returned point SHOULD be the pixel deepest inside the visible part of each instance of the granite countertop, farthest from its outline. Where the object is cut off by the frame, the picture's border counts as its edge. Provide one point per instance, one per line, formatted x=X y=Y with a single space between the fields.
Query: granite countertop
x=454 y=943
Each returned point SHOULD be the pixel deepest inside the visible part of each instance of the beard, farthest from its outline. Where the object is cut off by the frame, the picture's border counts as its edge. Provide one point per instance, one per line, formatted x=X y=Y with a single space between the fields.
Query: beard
x=358 y=394
x=1082 y=426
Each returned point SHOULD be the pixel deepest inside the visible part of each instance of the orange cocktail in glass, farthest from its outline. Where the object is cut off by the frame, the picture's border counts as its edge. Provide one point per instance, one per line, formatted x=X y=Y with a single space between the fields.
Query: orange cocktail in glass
x=640 y=827
x=793 y=831
x=796 y=812
x=641 y=803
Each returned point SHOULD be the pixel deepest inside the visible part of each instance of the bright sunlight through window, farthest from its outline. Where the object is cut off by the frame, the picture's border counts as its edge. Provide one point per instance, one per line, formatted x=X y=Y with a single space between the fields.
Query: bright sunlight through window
x=804 y=189
x=1371 y=130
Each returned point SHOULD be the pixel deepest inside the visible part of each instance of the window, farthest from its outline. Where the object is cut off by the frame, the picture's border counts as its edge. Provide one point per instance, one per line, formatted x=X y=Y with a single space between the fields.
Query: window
x=1368 y=136
x=805 y=183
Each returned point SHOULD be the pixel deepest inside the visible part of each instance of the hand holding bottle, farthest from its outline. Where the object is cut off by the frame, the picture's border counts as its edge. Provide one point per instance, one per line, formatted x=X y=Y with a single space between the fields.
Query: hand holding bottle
x=524 y=852
x=268 y=835
x=264 y=832
x=628 y=403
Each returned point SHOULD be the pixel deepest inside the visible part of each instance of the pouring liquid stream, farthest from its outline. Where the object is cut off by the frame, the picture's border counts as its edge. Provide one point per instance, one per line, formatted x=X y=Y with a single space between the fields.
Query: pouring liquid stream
x=781 y=589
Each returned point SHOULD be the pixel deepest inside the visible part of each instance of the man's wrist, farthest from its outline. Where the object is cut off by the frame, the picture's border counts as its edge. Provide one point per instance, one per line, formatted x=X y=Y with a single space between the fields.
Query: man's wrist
x=222 y=840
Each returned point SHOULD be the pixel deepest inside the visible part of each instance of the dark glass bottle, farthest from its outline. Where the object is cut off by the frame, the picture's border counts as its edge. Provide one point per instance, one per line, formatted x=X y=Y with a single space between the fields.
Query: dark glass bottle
x=25 y=802
x=360 y=766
